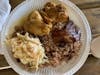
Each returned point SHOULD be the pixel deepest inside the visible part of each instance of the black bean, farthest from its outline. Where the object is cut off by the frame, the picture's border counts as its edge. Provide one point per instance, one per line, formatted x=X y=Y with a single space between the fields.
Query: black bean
x=18 y=60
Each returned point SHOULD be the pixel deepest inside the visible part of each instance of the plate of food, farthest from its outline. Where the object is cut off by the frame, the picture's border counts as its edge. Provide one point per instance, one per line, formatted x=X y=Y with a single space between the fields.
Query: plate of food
x=46 y=37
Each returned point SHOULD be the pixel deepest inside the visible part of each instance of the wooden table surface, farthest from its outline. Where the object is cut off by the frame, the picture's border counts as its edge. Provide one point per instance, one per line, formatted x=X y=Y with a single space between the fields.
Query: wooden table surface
x=91 y=9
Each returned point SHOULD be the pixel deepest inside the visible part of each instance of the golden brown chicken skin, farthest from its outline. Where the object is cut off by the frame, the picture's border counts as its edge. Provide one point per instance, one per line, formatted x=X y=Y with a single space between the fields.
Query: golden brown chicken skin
x=55 y=13
x=36 y=25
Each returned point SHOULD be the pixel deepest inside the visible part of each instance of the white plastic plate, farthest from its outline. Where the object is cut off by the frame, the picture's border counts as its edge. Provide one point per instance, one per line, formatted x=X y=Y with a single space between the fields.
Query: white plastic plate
x=75 y=14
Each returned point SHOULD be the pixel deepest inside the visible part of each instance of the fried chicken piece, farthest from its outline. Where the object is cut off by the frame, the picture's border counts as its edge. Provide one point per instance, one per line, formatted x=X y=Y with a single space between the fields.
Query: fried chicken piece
x=45 y=17
x=40 y=22
x=36 y=25
x=50 y=4
x=55 y=13
x=35 y=17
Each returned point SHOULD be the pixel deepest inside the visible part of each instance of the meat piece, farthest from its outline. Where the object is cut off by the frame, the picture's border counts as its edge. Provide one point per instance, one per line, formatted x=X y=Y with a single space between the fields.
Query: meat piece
x=36 y=25
x=57 y=13
x=49 y=5
x=45 y=17
x=35 y=17
x=62 y=15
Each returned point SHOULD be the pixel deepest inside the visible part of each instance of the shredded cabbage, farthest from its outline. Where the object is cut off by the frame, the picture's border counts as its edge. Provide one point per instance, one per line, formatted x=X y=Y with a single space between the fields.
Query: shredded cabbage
x=28 y=50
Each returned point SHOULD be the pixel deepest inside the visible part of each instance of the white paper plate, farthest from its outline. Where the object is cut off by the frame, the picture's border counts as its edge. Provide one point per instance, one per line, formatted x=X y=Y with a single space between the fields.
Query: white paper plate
x=22 y=11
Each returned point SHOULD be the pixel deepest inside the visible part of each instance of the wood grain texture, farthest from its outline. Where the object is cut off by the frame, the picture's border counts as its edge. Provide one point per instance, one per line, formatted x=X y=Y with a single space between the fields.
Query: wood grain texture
x=93 y=16
x=85 y=4
x=91 y=67
x=91 y=9
x=84 y=1
x=3 y=62
x=14 y=3
x=8 y=72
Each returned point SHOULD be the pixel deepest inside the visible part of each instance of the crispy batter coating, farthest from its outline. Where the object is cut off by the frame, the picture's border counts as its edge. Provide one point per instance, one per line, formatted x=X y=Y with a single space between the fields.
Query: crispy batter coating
x=36 y=25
